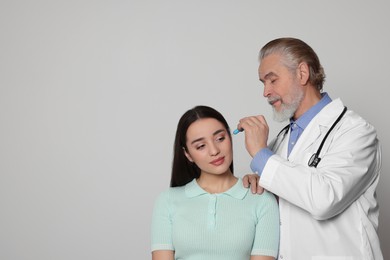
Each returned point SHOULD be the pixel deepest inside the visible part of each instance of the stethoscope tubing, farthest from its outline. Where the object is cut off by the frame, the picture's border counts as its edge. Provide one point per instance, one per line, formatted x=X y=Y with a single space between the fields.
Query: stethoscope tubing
x=314 y=159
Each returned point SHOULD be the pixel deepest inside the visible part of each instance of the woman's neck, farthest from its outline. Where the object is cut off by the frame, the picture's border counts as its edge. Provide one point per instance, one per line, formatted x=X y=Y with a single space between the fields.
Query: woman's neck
x=216 y=183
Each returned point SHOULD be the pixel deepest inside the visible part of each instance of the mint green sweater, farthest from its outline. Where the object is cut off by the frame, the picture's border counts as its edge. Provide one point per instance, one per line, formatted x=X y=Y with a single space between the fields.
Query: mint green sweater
x=201 y=226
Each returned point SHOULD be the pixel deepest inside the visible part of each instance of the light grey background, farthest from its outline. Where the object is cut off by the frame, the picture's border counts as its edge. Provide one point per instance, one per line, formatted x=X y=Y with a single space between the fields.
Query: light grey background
x=91 y=91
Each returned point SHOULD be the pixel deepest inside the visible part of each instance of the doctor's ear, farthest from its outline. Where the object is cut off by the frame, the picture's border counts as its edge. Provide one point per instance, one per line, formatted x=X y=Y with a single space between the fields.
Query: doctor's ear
x=303 y=73
x=187 y=155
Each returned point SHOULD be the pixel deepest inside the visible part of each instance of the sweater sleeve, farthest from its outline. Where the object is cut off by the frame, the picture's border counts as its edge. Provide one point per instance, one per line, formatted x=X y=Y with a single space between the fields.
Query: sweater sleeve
x=266 y=240
x=161 y=224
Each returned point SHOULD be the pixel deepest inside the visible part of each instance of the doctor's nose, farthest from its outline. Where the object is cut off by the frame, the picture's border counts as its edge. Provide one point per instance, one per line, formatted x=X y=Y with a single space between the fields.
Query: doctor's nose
x=266 y=90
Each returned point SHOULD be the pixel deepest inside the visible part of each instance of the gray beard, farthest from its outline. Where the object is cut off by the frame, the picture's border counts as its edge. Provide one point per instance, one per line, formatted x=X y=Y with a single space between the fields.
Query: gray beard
x=287 y=111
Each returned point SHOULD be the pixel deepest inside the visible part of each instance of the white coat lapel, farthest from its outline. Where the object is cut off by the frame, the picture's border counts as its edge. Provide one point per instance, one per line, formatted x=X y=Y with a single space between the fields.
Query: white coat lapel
x=316 y=129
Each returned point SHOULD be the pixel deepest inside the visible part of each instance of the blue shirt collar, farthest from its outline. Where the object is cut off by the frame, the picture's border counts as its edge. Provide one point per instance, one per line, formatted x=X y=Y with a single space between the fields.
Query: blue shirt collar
x=237 y=191
x=305 y=119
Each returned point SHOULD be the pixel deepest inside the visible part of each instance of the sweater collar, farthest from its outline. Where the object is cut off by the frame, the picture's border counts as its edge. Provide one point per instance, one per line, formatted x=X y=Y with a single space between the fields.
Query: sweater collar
x=237 y=191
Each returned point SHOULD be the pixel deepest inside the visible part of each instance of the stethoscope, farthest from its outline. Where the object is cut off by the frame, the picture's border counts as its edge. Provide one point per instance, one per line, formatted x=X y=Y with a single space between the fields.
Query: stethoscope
x=315 y=158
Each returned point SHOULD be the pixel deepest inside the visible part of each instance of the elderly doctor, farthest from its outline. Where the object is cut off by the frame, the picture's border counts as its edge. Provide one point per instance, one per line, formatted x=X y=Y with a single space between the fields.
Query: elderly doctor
x=324 y=166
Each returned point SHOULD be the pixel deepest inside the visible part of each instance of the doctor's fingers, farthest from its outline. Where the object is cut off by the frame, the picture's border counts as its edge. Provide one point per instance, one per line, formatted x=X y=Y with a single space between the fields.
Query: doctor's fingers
x=260 y=189
x=254 y=120
x=252 y=181
x=260 y=119
x=253 y=123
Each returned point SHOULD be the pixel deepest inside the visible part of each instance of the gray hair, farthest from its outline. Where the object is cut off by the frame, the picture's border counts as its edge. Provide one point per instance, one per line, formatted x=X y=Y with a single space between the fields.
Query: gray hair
x=295 y=51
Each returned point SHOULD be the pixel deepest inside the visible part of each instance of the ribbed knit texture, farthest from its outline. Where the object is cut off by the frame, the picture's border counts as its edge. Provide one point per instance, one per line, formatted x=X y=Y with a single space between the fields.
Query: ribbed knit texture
x=202 y=226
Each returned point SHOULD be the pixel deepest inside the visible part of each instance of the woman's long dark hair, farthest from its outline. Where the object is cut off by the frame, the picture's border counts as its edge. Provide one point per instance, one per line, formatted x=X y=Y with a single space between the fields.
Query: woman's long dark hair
x=184 y=171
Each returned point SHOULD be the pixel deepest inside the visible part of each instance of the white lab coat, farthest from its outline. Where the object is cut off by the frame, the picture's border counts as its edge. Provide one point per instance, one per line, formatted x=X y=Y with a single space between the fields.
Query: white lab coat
x=329 y=212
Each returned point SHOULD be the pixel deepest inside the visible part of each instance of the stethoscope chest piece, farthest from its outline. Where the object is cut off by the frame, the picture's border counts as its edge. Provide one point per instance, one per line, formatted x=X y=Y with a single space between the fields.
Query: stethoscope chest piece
x=314 y=160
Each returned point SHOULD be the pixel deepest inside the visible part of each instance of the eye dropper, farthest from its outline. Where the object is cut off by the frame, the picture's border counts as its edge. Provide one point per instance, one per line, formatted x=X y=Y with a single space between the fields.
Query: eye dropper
x=237 y=131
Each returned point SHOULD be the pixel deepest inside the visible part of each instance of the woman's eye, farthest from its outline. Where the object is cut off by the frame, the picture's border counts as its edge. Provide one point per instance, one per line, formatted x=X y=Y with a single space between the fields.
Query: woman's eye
x=220 y=139
x=199 y=147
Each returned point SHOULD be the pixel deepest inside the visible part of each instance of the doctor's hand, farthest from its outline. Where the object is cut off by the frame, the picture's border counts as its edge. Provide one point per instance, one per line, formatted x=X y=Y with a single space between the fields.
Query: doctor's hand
x=252 y=180
x=256 y=133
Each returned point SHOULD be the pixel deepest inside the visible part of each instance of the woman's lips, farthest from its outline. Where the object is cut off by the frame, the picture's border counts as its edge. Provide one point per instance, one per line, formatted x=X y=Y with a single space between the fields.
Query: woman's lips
x=218 y=161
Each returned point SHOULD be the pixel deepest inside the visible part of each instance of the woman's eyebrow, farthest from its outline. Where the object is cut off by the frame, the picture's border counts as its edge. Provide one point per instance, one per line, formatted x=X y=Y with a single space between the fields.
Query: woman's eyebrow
x=214 y=134
x=219 y=131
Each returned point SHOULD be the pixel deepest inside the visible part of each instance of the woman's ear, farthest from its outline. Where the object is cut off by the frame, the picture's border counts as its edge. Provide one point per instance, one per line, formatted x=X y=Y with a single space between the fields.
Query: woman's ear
x=303 y=73
x=187 y=155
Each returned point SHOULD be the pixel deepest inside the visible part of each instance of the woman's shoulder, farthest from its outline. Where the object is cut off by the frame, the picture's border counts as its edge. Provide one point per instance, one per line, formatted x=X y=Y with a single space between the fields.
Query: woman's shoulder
x=265 y=202
x=172 y=193
x=260 y=199
x=265 y=196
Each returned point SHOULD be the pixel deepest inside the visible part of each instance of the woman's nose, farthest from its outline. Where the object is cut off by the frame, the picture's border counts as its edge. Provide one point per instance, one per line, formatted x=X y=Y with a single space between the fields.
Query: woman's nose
x=214 y=150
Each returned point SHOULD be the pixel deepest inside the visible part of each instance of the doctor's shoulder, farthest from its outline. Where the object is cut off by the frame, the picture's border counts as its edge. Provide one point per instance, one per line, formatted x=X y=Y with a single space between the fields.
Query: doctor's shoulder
x=355 y=126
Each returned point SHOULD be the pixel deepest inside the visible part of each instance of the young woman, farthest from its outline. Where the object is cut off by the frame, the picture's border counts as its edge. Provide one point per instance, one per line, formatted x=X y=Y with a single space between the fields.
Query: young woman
x=207 y=214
